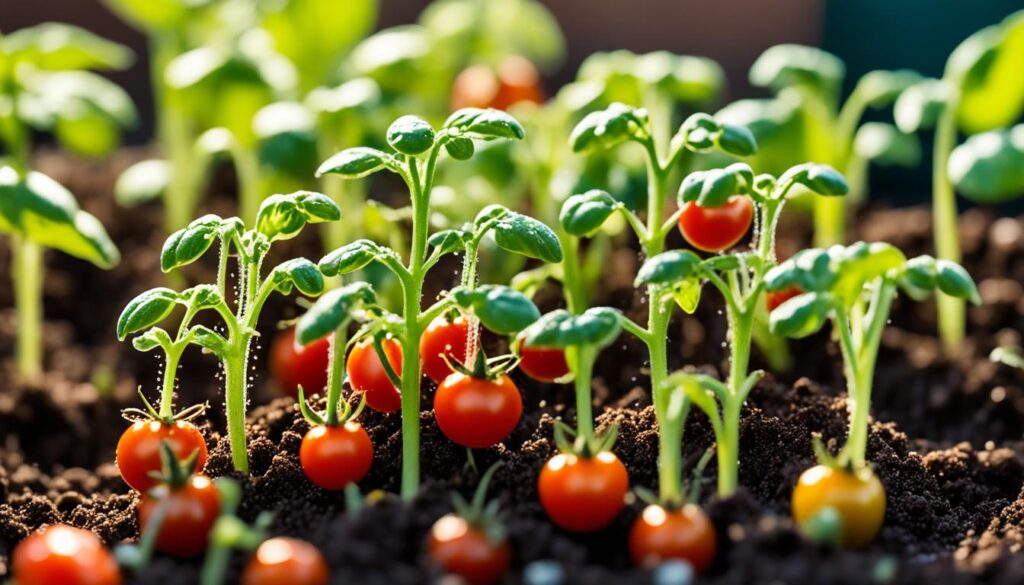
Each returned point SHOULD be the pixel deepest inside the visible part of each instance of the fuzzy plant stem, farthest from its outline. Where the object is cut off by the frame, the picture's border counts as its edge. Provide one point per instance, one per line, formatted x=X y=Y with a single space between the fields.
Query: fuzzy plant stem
x=585 y=357
x=572 y=284
x=336 y=372
x=176 y=136
x=947 y=239
x=28 y=301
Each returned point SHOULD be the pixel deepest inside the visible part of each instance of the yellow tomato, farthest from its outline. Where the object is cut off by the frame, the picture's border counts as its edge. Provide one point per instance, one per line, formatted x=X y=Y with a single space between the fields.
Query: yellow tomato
x=858 y=497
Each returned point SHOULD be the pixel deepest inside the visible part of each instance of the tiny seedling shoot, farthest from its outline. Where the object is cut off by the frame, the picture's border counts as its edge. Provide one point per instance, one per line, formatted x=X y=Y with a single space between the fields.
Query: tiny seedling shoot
x=678 y=275
x=416 y=149
x=279 y=218
x=854 y=286
x=45 y=86
x=583 y=486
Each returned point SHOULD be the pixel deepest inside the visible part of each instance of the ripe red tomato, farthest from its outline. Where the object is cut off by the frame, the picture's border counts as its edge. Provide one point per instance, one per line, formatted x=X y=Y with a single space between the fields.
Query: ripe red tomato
x=138 y=450
x=479 y=86
x=334 y=456
x=776 y=298
x=286 y=561
x=366 y=374
x=293 y=366
x=64 y=555
x=467 y=551
x=660 y=534
x=713 y=229
x=477 y=413
x=189 y=513
x=443 y=338
x=583 y=495
x=544 y=364
x=858 y=498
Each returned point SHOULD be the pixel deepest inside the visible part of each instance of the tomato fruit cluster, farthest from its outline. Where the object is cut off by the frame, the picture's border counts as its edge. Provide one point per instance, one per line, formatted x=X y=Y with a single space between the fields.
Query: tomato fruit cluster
x=479 y=86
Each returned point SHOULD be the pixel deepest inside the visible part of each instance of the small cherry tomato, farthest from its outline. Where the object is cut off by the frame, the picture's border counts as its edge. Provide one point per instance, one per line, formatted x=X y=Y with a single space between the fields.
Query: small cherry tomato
x=777 y=297
x=544 y=364
x=334 y=456
x=286 y=561
x=189 y=513
x=479 y=86
x=477 y=413
x=583 y=494
x=443 y=338
x=63 y=555
x=138 y=450
x=660 y=534
x=857 y=497
x=292 y=365
x=713 y=229
x=366 y=374
x=467 y=551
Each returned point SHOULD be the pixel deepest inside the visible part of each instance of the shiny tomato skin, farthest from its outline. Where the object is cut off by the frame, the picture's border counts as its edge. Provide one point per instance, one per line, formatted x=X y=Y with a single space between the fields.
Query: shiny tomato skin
x=480 y=86
x=366 y=374
x=713 y=229
x=334 y=456
x=583 y=494
x=138 y=450
x=443 y=338
x=189 y=514
x=292 y=366
x=286 y=561
x=544 y=364
x=775 y=298
x=466 y=551
x=477 y=413
x=660 y=534
x=63 y=555
x=858 y=498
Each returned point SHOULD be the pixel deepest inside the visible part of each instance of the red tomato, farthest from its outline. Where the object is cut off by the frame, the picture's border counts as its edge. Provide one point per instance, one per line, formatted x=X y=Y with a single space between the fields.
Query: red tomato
x=366 y=374
x=334 y=456
x=467 y=551
x=189 y=513
x=292 y=365
x=477 y=413
x=713 y=229
x=138 y=450
x=286 y=561
x=63 y=555
x=516 y=80
x=583 y=495
x=443 y=338
x=660 y=534
x=776 y=298
x=544 y=364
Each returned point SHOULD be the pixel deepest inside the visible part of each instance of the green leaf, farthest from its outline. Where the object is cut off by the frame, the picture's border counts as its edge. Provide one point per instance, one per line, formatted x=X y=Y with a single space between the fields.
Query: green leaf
x=157 y=14
x=350 y=257
x=192 y=241
x=584 y=214
x=669 y=267
x=687 y=294
x=607 y=128
x=360 y=94
x=146 y=310
x=884 y=144
x=153 y=338
x=919 y=277
x=202 y=296
x=451 y=240
x=59 y=46
x=712 y=188
x=986 y=67
x=697 y=394
x=860 y=263
x=797 y=65
x=353 y=163
x=142 y=182
x=821 y=179
x=810 y=270
x=953 y=280
x=281 y=217
x=801 y=315
x=332 y=310
x=919 y=106
x=738 y=140
x=489 y=124
x=209 y=340
x=460 y=148
x=524 y=235
x=988 y=168
x=411 y=135
x=42 y=210
x=499 y=308
x=300 y=273
x=595 y=327
x=881 y=88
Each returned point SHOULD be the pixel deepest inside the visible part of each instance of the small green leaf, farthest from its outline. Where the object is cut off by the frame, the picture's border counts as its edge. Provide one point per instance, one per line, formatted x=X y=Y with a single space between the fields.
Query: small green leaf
x=489 y=124
x=153 y=338
x=332 y=310
x=146 y=310
x=687 y=294
x=300 y=273
x=953 y=280
x=584 y=214
x=789 y=65
x=988 y=168
x=281 y=217
x=810 y=270
x=884 y=144
x=352 y=96
x=918 y=278
x=188 y=244
x=499 y=308
x=738 y=140
x=353 y=163
x=595 y=327
x=209 y=340
x=986 y=69
x=350 y=257
x=59 y=46
x=607 y=128
x=821 y=179
x=669 y=267
x=142 y=182
x=713 y=188
x=451 y=240
x=801 y=315
x=460 y=148
x=881 y=88
x=411 y=135
x=524 y=235
x=918 y=107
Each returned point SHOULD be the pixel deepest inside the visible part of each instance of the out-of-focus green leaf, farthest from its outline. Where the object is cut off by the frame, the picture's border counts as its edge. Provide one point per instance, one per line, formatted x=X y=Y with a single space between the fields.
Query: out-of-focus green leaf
x=353 y=163
x=788 y=65
x=609 y=127
x=989 y=167
x=59 y=46
x=918 y=107
x=157 y=14
x=884 y=144
x=801 y=315
x=299 y=273
x=142 y=182
x=669 y=267
x=986 y=67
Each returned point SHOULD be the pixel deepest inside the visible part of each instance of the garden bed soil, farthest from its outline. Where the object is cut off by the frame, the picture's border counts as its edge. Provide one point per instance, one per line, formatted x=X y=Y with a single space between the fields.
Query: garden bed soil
x=949 y=450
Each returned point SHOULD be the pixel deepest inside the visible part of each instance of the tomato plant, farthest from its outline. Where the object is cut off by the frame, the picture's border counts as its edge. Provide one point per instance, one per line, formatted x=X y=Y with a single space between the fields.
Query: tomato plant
x=138 y=450
x=367 y=373
x=66 y=555
x=286 y=561
x=544 y=364
x=478 y=408
x=292 y=365
x=444 y=339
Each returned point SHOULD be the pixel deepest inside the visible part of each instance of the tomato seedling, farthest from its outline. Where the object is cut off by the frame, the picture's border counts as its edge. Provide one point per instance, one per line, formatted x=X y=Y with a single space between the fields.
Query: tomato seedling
x=46 y=85
x=280 y=217
x=417 y=147
x=286 y=561
x=64 y=554
x=470 y=542
x=854 y=287
x=678 y=276
x=583 y=486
